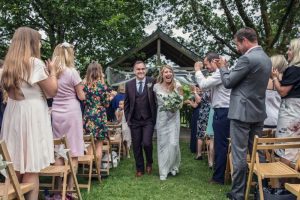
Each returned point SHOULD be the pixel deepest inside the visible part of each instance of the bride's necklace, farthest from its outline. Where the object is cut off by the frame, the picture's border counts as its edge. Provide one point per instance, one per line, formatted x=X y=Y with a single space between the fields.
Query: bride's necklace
x=165 y=87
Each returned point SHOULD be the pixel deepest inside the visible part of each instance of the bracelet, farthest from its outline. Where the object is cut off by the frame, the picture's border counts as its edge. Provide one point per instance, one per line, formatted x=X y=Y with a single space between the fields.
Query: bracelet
x=275 y=78
x=52 y=75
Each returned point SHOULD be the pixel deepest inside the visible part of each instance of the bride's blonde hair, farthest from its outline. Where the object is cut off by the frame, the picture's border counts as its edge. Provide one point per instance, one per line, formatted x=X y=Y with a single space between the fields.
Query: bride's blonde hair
x=63 y=56
x=160 y=79
x=17 y=64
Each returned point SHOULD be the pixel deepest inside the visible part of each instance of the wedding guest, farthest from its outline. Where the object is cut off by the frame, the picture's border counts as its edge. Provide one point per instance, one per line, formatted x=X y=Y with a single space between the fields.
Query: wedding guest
x=247 y=111
x=210 y=135
x=168 y=124
x=289 y=90
x=125 y=128
x=26 y=123
x=110 y=111
x=66 y=111
x=195 y=104
x=220 y=103
x=3 y=95
x=272 y=97
x=95 y=119
x=119 y=96
x=202 y=122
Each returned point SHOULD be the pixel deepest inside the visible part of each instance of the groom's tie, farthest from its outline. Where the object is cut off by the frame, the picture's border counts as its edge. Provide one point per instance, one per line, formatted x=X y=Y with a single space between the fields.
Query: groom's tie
x=140 y=87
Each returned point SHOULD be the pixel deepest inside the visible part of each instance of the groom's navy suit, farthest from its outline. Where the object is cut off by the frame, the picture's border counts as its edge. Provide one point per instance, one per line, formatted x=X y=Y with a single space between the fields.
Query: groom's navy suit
x=140 y=114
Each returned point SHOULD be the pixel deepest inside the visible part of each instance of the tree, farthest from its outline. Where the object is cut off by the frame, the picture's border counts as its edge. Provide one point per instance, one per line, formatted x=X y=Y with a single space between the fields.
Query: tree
x=98 y=29
x=212 y=24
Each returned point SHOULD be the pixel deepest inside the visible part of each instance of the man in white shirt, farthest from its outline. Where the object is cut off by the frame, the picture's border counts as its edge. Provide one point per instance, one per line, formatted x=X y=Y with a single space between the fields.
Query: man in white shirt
x=220 y=103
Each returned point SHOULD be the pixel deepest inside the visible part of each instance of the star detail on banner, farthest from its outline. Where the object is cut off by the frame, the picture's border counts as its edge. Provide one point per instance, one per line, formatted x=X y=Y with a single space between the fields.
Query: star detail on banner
x=127 y=76
x=189 y=76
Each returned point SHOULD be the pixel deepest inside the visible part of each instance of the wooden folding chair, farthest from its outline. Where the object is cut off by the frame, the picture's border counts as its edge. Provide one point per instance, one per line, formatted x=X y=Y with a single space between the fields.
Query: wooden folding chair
x=61 y=171
x=89 y=159
x=115 y=137
x=107 y=151
x=272 y=170
x=294 y=189
x=229 y=166
x=12 y=189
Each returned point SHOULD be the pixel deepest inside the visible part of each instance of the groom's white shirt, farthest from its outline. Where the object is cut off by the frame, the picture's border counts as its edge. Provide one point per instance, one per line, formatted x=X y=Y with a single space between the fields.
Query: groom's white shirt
x=138 y=84
x=220 y=96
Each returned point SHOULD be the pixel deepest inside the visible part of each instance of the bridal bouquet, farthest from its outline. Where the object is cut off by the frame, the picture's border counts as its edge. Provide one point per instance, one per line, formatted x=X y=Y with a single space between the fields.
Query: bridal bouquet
x=172 y=102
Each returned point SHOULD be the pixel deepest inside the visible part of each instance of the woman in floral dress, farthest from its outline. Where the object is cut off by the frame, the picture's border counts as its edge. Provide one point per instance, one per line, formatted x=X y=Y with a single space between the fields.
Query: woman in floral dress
x=95 y=119
x=202 y=122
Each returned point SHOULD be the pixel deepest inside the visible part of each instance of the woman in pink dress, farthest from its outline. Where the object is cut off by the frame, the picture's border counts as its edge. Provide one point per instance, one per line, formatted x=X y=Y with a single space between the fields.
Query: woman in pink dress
x=66 y=112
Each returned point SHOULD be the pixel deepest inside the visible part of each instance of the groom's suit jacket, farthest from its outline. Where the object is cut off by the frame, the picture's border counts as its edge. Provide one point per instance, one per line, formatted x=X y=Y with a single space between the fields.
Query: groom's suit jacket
x=130 y=100
x=248 y=80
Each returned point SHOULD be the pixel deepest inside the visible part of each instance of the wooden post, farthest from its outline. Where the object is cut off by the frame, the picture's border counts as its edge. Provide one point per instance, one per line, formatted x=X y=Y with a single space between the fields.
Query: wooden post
x=158 y=61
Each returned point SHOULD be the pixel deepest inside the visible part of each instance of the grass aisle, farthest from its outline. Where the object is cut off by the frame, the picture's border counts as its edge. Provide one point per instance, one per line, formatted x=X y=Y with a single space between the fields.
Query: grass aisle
x=190 y=183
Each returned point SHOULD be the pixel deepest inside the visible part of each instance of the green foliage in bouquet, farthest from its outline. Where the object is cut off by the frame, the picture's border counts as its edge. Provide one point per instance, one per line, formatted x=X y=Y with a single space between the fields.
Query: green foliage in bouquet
x=172 y=102
x=187 y=93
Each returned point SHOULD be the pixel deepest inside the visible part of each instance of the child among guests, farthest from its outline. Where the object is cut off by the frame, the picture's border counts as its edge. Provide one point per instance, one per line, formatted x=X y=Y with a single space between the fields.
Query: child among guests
x=94 y=116
x=125 y=129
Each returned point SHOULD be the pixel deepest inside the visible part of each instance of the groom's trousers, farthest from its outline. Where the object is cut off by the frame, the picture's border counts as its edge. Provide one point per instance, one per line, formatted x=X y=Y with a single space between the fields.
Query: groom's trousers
x=141 y=134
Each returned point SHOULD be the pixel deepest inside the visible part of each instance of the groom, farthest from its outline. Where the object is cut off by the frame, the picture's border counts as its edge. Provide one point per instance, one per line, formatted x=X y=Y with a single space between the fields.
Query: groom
x=140 y=113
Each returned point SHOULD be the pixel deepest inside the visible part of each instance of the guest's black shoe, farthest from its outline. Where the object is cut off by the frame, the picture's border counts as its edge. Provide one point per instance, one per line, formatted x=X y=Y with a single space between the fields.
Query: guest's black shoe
x=199 y=158
x=212 y=181
x=230 y=196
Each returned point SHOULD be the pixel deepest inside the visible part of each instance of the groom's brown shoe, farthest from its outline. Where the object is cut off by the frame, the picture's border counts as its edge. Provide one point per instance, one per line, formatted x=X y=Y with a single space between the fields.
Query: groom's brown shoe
x=138 y=174
x=149 y=169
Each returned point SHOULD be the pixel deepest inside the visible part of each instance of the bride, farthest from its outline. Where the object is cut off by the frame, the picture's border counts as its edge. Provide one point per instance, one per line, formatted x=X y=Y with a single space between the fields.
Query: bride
x=167 y=125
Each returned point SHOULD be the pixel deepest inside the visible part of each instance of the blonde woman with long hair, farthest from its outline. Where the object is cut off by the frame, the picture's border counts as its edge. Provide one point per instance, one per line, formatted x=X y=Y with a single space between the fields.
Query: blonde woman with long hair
x=167 y=125
x=26 y=123
x=289 y=90
x=66 y=111
x=3 y=95
x=273 y=99
x=95 y=119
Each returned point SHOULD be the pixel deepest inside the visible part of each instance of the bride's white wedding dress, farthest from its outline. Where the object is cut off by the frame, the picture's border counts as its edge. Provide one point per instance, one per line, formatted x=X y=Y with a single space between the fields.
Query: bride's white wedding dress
x=168 y=130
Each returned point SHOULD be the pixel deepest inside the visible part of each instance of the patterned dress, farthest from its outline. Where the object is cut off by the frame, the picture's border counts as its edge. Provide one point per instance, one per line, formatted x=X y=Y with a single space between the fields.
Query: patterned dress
x=203 y=114
x=95 y=119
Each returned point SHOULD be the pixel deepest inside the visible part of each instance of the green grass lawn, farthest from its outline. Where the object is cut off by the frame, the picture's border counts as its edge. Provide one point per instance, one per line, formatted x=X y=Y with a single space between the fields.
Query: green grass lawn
x=190 y=183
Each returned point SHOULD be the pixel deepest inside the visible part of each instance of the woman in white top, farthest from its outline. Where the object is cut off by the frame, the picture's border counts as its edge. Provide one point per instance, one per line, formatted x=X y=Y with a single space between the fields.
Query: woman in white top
x=26 y=126
x=272 y=97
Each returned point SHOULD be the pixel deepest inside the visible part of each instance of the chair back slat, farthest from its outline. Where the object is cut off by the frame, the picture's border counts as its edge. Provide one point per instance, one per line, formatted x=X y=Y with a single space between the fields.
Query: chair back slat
x=267 y=133
x=87 y=138
x=58 y=141
x=277 y=140
x=278 y=146
x=11 y=172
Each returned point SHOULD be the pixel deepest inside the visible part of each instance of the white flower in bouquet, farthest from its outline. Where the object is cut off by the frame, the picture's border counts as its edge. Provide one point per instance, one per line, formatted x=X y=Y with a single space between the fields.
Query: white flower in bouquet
x=172 y=102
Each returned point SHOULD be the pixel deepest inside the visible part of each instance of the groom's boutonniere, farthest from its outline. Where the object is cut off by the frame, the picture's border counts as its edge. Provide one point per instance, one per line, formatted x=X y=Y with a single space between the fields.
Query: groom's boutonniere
x=149 y=85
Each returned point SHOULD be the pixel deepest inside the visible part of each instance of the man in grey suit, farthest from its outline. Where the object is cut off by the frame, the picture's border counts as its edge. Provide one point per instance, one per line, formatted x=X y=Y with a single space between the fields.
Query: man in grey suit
x=247 y=112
